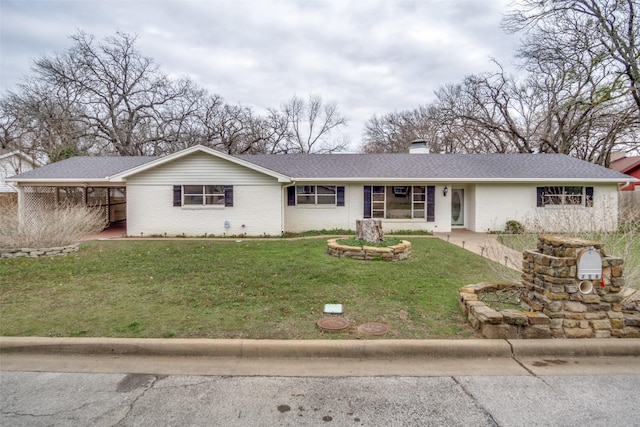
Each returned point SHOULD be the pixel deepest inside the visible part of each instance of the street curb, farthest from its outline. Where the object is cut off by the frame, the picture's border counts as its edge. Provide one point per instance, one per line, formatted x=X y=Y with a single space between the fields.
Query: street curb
x=244 y=348
x=352 y=349
x=589 y=347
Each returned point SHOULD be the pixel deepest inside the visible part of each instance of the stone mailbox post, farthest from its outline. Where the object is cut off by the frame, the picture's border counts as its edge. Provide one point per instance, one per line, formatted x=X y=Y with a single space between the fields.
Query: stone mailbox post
x=577 y=286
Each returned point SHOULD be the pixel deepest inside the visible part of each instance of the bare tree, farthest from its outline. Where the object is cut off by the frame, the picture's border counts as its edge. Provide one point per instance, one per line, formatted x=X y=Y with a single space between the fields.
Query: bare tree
x=120 y=97
x=608 y=30
x=42 y=121
x=310 y=124
x=107 y=98
x=393 y=132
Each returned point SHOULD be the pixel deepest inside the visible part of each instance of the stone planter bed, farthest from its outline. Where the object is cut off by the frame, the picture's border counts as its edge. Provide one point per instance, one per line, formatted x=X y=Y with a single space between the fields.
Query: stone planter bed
x=387 y=253
x=504 y=324
x=37 y=252
x=558 y=303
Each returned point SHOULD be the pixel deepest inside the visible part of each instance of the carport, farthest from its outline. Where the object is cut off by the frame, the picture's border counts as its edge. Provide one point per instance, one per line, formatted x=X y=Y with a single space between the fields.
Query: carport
x=83 y=180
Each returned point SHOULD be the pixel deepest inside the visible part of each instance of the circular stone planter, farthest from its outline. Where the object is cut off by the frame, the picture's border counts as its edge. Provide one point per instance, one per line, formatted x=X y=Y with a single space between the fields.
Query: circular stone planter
x=387 y=253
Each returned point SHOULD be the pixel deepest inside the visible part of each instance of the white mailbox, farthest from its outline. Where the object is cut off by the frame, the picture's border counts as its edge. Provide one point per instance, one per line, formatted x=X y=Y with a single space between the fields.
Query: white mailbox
x=589 y=264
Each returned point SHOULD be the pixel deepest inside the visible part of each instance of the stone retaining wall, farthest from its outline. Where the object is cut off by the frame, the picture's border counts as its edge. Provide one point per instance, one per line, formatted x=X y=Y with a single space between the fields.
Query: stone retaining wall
x=387 y=253
x=503 y=324
x=556 y=303
x=577 y=308
x=39 y=252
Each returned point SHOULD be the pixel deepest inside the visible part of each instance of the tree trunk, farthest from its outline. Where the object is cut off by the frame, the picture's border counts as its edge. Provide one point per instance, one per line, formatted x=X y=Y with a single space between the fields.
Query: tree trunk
x=369 y=230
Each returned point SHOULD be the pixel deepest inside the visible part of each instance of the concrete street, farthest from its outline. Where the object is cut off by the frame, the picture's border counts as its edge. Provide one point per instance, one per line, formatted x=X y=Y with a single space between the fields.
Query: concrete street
x=147 y=382
x=82 y=399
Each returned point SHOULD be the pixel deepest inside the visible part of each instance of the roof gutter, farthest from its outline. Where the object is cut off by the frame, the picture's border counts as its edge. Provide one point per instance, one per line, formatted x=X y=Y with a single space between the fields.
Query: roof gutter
x=460 y=180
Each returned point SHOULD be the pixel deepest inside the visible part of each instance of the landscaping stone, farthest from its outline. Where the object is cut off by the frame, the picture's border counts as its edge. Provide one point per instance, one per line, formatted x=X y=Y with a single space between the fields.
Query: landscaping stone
x=558 y=303
x=514 y=317
x=397 y=252
x=37 y=252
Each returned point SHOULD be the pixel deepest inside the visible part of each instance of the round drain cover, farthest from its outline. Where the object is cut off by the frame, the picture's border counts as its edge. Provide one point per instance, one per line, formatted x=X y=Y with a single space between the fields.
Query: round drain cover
x=333 y=323
x=374 y=328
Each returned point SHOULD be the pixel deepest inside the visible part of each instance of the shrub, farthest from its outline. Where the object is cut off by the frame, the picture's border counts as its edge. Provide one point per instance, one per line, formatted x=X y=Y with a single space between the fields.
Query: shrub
x=45 y=227
x=514 y=227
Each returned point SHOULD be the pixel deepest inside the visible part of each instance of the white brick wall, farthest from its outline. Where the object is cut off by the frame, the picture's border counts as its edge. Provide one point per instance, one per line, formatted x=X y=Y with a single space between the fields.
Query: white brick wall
x=150 y=211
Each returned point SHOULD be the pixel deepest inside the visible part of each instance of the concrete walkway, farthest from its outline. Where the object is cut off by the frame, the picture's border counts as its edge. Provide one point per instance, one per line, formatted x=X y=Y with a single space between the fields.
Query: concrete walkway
x=485 y=245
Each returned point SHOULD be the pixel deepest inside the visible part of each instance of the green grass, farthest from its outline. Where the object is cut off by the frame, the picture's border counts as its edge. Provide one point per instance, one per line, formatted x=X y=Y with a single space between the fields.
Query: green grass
x=387 y=241
x=227 y=289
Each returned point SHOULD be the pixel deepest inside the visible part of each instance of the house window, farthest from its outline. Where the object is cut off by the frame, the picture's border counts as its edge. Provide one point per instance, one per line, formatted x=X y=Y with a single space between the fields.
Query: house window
x=330 y=195
x=202 y=195
x=378 y=202
x=418 y=201
x=399 y=202
x=561 y=195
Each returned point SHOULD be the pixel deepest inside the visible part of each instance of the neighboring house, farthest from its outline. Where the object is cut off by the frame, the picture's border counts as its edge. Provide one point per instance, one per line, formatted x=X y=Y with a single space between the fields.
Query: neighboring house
x=629 y=166
x=200 y=191
x=13 y=162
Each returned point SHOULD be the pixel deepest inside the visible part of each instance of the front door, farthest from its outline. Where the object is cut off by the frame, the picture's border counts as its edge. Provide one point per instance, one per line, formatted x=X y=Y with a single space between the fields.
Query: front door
x=457 y=206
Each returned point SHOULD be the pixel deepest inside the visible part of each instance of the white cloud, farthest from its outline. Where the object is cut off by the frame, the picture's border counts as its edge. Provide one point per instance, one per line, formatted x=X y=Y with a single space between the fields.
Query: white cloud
x=370 y=56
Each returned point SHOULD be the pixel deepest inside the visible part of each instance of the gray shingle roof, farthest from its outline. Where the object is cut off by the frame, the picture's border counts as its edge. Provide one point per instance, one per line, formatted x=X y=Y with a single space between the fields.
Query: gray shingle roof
x=433 y=166
x=454 y=167
x=85 y=167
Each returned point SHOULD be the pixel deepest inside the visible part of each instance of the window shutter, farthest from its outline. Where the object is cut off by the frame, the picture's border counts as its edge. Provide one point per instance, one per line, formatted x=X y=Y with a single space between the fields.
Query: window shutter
x=431 y=203
x=291 y=195
x=177 y=195
x=228 y=195
x=367 y=201
x=589 y=193
x=540 y=196
x=340 y=196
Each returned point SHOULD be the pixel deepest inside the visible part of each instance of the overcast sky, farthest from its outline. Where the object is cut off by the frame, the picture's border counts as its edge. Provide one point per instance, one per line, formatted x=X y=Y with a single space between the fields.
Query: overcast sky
x=369 y=56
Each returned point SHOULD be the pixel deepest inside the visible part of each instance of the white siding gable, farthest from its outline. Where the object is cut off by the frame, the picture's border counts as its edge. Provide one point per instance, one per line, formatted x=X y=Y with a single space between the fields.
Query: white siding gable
x=200 y=168
x=257 y=200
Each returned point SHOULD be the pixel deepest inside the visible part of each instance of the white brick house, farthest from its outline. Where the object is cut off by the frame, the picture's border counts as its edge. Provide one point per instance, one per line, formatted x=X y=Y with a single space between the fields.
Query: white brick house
x=200 y=191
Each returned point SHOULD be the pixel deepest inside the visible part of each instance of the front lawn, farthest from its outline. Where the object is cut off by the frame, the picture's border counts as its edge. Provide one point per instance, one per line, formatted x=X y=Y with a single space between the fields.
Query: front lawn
x=235 y=289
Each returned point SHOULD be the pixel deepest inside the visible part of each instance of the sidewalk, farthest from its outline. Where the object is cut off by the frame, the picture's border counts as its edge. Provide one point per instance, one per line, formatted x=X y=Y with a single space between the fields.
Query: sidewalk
x=485 y=245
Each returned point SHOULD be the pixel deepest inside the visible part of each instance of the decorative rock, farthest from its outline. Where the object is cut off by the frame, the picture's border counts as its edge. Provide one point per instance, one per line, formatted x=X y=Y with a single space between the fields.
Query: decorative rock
x=514 y=317
x=600 y=324
x=501 y=331
x=578 y=333
x=575 y=306
x=38 y=252
x=391 y=253
x=552 y=294
x=537 y=332
x=487 y=315
x=631 y=319
x=537 y=318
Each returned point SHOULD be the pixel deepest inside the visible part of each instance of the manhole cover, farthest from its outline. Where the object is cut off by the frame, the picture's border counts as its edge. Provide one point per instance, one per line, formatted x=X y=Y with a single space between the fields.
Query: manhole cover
x=374 y=328
x=333 y=323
